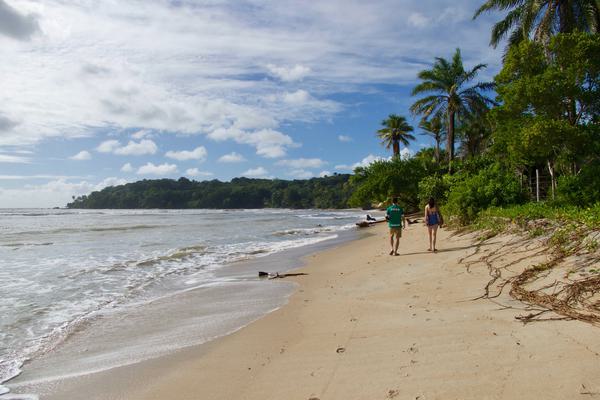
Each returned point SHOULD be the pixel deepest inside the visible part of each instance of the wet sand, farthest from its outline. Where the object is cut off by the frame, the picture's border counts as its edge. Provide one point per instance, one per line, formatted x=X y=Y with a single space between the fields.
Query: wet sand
x=367 y=325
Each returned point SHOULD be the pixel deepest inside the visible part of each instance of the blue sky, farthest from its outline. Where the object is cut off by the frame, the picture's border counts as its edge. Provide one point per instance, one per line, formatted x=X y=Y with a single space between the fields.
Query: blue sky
x=97 y=93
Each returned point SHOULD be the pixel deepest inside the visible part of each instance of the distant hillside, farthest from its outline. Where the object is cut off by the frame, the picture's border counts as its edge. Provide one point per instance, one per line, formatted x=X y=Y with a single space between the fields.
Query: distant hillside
x=328 y=192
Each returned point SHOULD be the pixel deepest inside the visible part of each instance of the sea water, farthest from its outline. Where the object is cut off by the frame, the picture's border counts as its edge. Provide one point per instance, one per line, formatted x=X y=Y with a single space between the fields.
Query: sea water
x=87 y=290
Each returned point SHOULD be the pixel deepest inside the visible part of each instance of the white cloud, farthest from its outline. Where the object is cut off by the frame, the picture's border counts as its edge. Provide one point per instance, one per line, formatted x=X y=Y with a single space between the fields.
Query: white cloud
x=199 y=153
x=301 y=174
x=188 y=72
x=418 y=20
x=7 y=158
x=127 y=168
x=141 y=134
x=269 y=143
x=323 y=174
x=301 y=163
x=196 y=172
x=258 y=172
x=82 y=155
x=298 y=97
x=160 y=170
x=57 y=192
x=405 y=153
x=112 y=181
x=289 y=74
x=344 y=138
x=108 y=146
x=231 y=158
x=362 y=163
x=28 y=177
x=141 y=148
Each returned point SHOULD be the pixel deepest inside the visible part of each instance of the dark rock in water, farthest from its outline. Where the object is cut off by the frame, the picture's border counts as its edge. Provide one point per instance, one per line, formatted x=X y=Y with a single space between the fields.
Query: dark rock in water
x=263 y=274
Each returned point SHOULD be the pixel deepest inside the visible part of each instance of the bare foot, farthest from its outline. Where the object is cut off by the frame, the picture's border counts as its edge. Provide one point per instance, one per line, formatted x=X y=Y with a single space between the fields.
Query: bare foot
x=391 y=252
x=396 y=254
x=435 y=250
x=429 y=249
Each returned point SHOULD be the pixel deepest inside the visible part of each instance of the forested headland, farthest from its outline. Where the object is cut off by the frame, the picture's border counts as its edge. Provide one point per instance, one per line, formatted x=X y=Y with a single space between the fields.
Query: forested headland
x=327 y=192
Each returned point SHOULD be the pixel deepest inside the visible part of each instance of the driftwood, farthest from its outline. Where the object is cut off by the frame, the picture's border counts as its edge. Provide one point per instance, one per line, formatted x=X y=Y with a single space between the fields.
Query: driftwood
x=277 y=275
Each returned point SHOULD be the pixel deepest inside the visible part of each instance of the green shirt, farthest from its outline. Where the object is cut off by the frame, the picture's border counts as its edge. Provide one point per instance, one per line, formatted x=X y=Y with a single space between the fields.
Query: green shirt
x=394 y=213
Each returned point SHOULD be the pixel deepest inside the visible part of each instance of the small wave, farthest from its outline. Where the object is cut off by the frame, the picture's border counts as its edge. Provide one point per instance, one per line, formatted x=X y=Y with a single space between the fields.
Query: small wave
x=18 y=245
x=94 y=229
x=177 y=255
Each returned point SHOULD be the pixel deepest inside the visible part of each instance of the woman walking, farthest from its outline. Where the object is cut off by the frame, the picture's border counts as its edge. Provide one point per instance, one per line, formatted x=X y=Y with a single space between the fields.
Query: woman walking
x=433 y=219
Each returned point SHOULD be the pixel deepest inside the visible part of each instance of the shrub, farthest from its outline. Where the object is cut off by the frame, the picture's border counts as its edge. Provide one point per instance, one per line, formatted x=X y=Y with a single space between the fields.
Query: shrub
x=433 y=186
x=491 y=186
x=582 y=189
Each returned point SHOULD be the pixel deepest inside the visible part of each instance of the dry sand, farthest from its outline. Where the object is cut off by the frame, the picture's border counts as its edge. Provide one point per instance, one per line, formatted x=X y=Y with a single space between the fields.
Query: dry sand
x=366 y=325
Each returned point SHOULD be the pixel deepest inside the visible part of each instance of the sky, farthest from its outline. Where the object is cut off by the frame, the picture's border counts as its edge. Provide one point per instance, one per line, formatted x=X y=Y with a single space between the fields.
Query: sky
x=95 y=93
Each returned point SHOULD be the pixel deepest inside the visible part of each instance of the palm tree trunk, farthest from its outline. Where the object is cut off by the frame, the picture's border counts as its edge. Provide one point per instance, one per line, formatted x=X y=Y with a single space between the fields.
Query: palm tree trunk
x=396 y=148
x=450 y=143
x=437 y=150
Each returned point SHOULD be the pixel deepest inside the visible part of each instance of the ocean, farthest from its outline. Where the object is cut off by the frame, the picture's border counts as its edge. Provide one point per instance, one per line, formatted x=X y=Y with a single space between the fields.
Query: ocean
x=88 y=290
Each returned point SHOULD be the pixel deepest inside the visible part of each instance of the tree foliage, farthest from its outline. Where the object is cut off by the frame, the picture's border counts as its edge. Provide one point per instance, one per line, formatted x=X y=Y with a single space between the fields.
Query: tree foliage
x=395 y=131
x=447 y=92
x=541 y=19
x=328 y=192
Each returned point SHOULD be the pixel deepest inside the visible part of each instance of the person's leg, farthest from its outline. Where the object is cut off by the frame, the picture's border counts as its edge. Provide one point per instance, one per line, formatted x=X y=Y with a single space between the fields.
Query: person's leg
x=430 y=229
x=398 y=235
x=435 y=228
x=391 y=242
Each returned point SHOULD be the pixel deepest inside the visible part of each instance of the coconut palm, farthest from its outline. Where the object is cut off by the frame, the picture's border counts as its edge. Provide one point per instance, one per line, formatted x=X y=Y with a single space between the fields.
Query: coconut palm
x=449 y=95
x=542 y=18
x=434 y=127
x=475 y=133
x=395 y=131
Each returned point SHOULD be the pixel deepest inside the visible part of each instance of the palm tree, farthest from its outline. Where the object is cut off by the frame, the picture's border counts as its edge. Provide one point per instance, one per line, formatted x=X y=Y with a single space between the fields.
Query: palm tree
x=450 y=96
x=543 y=18
x=475 y=132
x=395 y=131
x=434 y=128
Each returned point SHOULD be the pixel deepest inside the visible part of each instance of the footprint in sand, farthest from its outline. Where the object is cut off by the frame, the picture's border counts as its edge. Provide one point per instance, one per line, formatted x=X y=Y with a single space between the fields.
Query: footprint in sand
x=392 y=393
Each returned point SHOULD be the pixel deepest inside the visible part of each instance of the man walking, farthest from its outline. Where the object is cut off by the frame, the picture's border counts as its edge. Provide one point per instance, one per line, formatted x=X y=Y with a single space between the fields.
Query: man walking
x=395 y=217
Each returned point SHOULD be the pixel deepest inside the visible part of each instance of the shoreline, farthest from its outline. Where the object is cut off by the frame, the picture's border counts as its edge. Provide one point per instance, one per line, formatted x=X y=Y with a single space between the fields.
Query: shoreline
x=240 y=284
x=363 y=324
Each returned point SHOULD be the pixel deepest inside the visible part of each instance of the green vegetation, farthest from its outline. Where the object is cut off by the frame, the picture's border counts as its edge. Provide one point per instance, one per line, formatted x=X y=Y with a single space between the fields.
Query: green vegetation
x=327 y=192
x=543 y=18
x=395 y=131
x=538 y=140
x=588 y=216
x=540 y=135
x=447 y=94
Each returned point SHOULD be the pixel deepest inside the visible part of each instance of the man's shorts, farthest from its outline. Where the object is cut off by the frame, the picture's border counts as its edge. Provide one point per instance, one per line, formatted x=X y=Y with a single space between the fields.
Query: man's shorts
x=396 y=231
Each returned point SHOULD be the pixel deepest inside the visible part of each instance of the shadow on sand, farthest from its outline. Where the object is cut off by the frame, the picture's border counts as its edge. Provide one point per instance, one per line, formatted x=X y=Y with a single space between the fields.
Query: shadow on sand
x=444 y=250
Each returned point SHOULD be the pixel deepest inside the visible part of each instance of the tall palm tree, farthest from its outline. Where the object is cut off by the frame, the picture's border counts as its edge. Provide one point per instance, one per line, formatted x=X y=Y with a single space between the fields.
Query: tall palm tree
x=475 y=133
x=395 y=131
x=543 y=18
x=449 y=95
x=434 y=127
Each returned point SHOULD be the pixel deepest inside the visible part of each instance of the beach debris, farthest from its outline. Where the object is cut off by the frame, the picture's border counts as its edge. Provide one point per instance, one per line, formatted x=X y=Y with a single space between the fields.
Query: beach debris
x=585 y=391
x=277 y=275
x=392 y=393
x=340 y=350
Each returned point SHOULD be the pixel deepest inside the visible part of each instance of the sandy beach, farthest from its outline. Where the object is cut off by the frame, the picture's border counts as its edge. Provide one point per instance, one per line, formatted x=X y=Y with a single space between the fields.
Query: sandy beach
x=366 y=325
